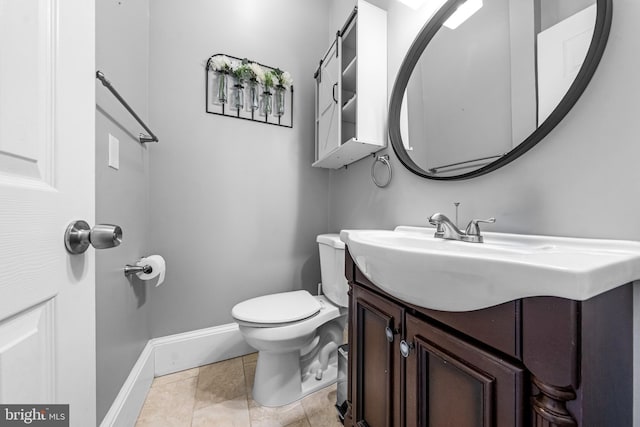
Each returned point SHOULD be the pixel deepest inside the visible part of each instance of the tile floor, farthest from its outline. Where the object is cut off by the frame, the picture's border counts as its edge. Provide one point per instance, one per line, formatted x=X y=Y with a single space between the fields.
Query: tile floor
x=220 y=395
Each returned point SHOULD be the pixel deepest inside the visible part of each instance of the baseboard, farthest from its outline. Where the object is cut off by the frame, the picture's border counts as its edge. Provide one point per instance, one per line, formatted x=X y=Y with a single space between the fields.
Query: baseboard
x=170 y=354
x=176 y=353
x=125 y=409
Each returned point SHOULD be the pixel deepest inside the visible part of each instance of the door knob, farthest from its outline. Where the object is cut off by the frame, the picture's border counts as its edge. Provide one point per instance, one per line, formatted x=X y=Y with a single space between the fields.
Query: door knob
x=79 y=236
x=389 y=332
x=405 y=348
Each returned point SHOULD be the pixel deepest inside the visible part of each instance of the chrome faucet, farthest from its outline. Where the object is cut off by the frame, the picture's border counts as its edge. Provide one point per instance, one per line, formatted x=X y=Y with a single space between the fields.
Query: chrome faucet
x=445 y=229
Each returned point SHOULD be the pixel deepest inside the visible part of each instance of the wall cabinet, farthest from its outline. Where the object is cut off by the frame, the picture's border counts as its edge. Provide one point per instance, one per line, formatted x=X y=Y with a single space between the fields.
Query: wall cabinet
x=540 y=361
x=351 y=90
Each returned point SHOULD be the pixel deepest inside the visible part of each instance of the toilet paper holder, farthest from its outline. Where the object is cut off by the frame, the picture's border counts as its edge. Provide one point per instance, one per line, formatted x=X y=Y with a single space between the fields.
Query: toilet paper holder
x=133 y=269
x=152 y=267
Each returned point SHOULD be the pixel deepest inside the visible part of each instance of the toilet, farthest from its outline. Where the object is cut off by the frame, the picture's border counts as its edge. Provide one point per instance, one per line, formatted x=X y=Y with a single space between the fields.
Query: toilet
x=296 y=333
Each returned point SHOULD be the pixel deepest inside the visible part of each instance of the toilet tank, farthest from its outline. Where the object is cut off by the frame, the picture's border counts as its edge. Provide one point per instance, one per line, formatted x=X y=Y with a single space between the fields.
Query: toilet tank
x=334 y=284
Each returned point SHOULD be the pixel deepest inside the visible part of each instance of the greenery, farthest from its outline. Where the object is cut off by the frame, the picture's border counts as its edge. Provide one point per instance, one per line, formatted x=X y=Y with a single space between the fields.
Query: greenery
x=282 y=78
x=243 y=72
x=269 y=80
x=246 y=71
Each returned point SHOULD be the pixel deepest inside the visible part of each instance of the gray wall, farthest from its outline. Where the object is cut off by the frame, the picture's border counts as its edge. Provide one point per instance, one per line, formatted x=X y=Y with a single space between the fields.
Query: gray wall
x=586 y=170
x=581 y=180
x=235 y=205
x=121 y=195
x=339 y=11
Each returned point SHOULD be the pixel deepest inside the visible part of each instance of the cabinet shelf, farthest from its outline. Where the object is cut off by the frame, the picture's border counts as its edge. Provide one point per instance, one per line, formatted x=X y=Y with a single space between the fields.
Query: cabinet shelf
x=348 y=55
x=346 y=153
x=349 y=76
x=349 y=110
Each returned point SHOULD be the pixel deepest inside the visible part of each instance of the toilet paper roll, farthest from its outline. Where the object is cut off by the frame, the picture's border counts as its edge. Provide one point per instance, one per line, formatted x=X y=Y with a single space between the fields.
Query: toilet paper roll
x=158 y=268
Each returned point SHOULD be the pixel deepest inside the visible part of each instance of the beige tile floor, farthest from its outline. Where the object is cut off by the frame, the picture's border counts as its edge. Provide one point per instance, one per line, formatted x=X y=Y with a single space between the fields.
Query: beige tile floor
x=220 y=395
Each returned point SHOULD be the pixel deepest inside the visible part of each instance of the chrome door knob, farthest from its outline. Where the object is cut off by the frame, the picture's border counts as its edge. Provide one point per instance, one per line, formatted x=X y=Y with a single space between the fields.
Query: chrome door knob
x=390 y=333
x=105 y=236
x=405 y=348
x=79 y=236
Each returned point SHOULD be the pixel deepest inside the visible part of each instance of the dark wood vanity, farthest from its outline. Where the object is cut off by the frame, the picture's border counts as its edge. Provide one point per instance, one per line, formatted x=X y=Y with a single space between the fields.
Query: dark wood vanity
x=542 y=361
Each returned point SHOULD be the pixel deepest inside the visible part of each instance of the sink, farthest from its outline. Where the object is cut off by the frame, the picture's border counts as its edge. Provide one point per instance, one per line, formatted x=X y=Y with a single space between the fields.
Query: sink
x=412 y=265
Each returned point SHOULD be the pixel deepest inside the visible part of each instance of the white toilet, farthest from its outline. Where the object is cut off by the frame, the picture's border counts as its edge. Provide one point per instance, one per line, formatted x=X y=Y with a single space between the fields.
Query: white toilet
x=296 y=333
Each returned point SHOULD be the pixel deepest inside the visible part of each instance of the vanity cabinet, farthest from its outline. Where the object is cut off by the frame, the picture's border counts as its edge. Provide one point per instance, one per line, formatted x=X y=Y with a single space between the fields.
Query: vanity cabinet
x=377 y=372
x=541 y=361
x=351 y=90
x=451 y=382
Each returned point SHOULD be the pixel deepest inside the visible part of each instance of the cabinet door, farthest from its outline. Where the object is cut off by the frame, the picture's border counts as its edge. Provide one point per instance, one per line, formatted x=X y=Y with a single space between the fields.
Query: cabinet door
x=327 y=108
x=375 y=360
x=452 y=383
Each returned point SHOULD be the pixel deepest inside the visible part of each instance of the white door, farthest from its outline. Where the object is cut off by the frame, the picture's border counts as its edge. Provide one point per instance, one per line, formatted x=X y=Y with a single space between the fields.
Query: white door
x=47 y=179
x=328 y=98
x=562 y=49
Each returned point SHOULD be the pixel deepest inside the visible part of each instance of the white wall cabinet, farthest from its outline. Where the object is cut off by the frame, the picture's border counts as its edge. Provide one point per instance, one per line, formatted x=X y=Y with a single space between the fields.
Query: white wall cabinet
x=351 y=91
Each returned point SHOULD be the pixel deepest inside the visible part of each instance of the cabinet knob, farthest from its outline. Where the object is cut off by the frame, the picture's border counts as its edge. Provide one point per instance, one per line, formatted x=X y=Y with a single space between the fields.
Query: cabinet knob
x=390 y=333
x=405 y=348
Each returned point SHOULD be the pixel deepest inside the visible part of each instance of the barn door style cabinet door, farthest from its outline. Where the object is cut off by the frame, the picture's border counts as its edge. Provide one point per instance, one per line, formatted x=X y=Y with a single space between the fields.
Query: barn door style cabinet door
x=351 y=90
x=541 y=361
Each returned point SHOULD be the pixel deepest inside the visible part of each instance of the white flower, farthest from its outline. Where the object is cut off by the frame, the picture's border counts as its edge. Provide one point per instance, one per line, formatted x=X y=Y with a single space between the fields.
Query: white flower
x=285 y=79
x=220 y=63
x=258 y=71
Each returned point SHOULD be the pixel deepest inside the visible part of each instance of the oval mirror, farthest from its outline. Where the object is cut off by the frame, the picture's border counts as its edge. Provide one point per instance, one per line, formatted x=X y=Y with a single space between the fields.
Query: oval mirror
x=485 y=80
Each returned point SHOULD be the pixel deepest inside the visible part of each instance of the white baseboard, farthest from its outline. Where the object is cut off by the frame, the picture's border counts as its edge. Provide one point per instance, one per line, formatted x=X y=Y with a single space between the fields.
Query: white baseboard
x=176 y=353
x=166 y=355
x=125 y=409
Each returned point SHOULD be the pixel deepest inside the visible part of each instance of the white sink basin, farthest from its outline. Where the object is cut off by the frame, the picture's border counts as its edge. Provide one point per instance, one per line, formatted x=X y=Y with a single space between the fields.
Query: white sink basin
x=412 y=265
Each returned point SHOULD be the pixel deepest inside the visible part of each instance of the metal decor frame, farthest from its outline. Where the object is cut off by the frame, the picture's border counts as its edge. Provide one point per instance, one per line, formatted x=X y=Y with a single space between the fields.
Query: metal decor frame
x=226 y=110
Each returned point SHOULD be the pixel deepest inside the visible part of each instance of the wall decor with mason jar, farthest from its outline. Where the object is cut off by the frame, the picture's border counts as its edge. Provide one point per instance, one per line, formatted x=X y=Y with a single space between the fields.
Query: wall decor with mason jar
x=248 y=90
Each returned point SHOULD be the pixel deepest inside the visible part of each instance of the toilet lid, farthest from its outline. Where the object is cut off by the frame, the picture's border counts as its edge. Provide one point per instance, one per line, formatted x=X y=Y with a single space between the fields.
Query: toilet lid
x=277 y=308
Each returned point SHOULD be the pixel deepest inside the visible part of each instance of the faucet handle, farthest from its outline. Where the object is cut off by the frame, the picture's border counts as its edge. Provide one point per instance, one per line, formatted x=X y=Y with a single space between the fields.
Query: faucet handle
x=473 y=229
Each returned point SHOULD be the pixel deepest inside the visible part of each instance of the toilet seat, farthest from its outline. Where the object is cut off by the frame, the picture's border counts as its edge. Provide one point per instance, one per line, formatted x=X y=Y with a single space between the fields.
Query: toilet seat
x=277 y=309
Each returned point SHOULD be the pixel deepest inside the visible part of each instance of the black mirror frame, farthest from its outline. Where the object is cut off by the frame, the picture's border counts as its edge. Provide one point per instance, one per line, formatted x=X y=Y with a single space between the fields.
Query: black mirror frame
x=594 y=54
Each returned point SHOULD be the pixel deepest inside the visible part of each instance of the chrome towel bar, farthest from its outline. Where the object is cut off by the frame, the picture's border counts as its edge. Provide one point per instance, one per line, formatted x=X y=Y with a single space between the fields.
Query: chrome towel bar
x=142 y=137
x=465 y=164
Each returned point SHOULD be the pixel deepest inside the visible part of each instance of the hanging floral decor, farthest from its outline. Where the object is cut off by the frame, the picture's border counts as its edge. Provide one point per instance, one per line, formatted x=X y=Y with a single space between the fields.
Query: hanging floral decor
x=248 y=90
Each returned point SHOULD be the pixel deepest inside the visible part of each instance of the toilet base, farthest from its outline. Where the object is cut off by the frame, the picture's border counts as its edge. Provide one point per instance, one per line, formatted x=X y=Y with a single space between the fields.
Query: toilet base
x=286 y=386
x=298 y=359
